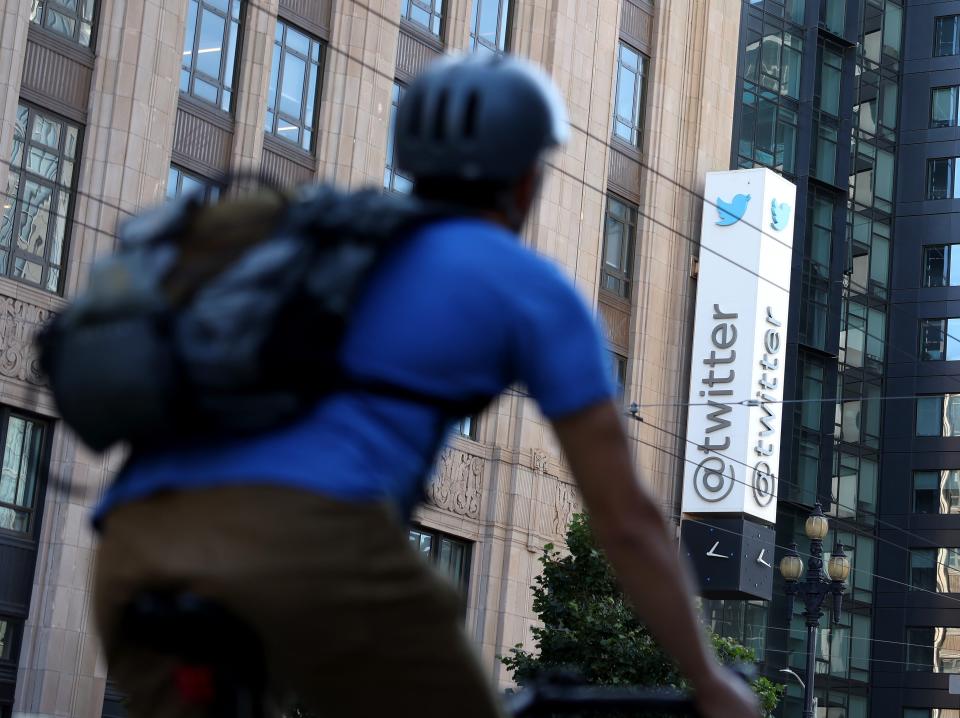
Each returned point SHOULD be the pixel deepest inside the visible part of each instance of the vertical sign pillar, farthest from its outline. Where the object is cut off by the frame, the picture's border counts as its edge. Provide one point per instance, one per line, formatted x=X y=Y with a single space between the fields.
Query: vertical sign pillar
x=736 y=378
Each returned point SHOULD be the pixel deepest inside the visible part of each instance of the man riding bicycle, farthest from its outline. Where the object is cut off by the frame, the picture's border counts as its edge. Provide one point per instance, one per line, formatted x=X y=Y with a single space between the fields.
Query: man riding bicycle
x=299 y=530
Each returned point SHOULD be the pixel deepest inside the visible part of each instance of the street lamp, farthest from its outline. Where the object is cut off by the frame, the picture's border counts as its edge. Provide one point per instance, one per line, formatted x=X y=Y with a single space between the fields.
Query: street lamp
x=815 y=589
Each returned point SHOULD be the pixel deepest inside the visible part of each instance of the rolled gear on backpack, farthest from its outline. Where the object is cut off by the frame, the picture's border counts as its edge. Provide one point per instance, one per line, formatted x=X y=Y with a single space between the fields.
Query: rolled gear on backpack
x=218 y=319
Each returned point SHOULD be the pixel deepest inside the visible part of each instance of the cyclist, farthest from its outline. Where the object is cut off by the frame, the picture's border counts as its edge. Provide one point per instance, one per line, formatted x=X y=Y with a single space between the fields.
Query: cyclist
x=298 y=531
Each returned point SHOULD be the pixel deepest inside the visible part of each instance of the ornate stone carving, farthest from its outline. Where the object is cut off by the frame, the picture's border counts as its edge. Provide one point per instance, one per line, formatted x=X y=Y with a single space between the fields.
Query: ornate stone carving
x=566 y=504
x=540 y=459
x=457 y=483
x=18 y=323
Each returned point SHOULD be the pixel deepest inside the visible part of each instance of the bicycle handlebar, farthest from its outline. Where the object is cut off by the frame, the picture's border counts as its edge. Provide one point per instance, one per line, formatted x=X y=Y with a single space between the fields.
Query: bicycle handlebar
x=563 y=692
x=548 y=699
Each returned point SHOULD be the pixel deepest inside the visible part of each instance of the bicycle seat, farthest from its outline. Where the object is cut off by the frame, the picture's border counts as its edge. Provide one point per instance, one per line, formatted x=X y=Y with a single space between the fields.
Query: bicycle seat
x=220 y=662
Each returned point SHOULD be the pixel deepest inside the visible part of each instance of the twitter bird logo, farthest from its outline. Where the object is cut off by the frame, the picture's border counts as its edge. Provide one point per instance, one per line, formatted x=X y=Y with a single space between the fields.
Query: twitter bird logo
x=732 y=212
x=781 y=215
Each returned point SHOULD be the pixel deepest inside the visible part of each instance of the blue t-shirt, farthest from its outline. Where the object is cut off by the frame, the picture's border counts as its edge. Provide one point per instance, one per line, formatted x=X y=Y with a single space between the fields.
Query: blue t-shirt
x=459 y=310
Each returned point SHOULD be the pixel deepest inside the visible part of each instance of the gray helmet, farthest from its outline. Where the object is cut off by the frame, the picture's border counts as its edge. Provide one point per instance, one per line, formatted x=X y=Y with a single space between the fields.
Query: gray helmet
x=478 y=119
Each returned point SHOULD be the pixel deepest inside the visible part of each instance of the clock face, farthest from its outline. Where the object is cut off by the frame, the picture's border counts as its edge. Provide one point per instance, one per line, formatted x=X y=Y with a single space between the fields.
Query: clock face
x=732 y=557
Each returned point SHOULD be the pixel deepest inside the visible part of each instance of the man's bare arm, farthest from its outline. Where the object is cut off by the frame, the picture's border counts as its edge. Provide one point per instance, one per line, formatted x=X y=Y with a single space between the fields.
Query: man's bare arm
x=636 y=538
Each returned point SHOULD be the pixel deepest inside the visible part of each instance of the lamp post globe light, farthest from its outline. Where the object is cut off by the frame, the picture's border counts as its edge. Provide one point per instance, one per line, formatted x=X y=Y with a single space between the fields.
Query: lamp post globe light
x=815 y=589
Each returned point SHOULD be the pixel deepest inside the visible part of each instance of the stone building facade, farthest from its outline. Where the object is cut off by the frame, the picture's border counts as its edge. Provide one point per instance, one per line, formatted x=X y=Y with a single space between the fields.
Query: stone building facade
x=108 y=106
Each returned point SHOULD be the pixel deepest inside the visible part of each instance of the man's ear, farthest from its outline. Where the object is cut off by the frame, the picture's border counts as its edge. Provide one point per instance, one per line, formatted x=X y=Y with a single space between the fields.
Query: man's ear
x=526 y=189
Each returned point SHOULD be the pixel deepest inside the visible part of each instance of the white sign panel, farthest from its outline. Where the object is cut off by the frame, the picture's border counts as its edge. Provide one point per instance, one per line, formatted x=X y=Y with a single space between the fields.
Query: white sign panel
x=739 y=345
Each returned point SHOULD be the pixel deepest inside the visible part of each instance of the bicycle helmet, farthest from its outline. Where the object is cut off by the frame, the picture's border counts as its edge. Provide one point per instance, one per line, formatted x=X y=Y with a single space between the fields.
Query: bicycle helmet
x=485 y=119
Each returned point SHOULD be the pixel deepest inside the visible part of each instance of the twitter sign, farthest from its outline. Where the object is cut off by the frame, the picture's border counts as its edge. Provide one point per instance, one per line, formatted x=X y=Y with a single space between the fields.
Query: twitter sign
x=739 y=345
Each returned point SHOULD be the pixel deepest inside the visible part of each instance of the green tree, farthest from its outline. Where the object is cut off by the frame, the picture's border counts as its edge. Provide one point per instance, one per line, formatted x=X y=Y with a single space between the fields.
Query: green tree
x=588 y=626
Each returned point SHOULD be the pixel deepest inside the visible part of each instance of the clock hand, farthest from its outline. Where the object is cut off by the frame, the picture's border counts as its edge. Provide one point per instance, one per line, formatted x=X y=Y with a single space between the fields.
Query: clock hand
x=712 y=553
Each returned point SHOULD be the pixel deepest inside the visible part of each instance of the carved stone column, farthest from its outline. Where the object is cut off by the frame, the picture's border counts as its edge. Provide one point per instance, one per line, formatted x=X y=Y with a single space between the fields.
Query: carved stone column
x=129 y=133
x=124 y=161
x=14 y=21
x=252 y=82
x=355 y=110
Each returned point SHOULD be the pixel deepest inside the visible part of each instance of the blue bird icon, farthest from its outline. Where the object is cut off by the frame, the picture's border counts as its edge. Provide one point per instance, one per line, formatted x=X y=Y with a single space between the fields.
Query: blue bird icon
x=732 y=212
x=781 y=214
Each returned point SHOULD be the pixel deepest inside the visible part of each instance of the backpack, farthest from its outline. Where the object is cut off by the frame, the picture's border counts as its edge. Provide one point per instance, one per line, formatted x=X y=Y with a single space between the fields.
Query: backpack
x=219 y=319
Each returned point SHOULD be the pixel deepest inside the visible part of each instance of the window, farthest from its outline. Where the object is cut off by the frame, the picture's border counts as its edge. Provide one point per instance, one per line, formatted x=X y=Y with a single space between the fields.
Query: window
x=855 y=487
x=941 y=265
x=861 y=549
x=820 y=237
x=39 y=199
x=393 y=179
x=294 y=82
x=868 y=261
x=936 y=492
x=618 y=366
x=490 y=28
x=944 y=106
x=933 y=649
x=619 y=228
x=941 y=179
x=935 y=569
x=71 y=18
x=210 y=51
x=833 y=15
x=450 y=555
x=831 y=67
x=20 y=474
x=940 y=339
x=811 y=390
x=825 y=160
x=631 y=88
x=743 y=621
x=180 y=182
x=768 y=132
x=426 y=13
x=938 y=415
x=772 y=61
x=468 y=425
x=6 y=639
x=946 y=36
x=931 y=713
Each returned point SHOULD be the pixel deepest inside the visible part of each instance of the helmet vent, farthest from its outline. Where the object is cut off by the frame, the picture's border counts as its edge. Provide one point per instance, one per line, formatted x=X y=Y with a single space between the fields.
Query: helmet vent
x=440 y=116
x=470 y=116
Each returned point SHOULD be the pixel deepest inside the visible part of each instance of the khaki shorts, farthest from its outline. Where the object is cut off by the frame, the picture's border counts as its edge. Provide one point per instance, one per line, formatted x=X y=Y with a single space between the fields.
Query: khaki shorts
x=353 y=622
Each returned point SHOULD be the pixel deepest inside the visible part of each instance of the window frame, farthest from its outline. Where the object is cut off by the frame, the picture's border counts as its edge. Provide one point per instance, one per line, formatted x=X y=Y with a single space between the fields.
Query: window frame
x=956 y=36
x=468 y=427
x=220 y=82
x=211 y=187
x=942 y=478
x=939 y=561
x=56 y=187
x=955 y=119
x=433 y=557
x=622 y=278
x=620 y=364
x=947 y=261
x=504 y=25
x=10 y=648
x=390 y=170
x=946 y=335
x=951 y=192
x=435 y=14
x=910 y=666
x=34 y=512
x=637 y=122
x=944 y=400
x=76 y=16
x=314 y=114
